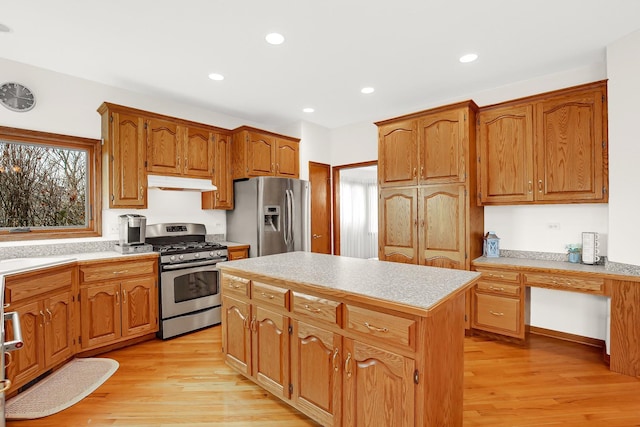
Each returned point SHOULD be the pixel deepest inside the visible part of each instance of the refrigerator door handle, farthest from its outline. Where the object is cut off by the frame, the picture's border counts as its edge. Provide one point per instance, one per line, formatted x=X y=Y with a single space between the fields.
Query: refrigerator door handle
x=288 y=238
x=291 y=217
x=285 y=231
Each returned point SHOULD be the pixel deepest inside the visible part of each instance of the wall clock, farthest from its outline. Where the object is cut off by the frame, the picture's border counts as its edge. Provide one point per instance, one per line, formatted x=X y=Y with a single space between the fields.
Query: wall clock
x=16 y=97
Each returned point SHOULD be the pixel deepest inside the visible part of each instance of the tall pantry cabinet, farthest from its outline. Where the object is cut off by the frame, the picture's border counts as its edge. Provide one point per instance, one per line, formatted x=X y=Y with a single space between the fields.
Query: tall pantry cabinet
x=427 y=180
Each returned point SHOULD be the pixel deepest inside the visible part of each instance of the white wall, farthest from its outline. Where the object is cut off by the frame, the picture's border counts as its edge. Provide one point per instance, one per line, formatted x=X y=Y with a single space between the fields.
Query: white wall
x=623 y=68
x=521 y=227
x=67 y=105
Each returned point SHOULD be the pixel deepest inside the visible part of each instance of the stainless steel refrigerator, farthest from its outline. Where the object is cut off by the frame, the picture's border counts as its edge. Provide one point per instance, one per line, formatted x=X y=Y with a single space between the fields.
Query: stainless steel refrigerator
x=271 y=214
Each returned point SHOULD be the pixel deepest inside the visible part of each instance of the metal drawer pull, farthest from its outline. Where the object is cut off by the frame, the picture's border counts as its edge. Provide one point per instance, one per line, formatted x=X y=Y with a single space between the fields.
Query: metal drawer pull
x=493 y=288
x=496 y=275
x=374 y=328
x=234 y=286
x=336 y=367
x=496 y=313
x=50 y=315
x=267 y=296
x=6 y=385
x=347 y=365
x=121 y=272
x=311 y=309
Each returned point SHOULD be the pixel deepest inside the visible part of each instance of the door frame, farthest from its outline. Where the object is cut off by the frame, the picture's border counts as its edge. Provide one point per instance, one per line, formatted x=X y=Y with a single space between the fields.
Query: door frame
x=336 y=198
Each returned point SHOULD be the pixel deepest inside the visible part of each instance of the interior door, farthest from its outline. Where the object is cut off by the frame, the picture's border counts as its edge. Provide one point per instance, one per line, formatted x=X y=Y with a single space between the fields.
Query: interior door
x=319 y=176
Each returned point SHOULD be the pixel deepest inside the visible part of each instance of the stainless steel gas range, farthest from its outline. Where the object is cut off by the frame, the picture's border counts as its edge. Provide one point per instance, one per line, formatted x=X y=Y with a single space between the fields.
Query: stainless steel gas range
x=189 y=279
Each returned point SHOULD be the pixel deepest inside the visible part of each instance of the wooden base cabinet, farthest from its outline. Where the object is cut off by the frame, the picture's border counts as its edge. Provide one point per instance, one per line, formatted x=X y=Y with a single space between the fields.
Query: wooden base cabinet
x=118 y=301
x=45 y=303
x=341 y=363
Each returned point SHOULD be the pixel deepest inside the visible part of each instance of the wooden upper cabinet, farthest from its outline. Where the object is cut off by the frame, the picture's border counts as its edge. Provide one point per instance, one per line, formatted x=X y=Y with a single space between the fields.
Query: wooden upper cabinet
x=287 y=158
x=222 y=198
x=397 y=153
x=442 y=138
x=124 y=156
x=199 y=153
x=570 y=141
x=505 y=137
x=550 y=148
x=260 y=153
x=164 y=147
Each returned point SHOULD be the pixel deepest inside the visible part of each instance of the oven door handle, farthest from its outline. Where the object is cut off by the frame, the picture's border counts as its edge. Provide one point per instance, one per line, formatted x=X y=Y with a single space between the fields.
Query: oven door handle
x=192 y=264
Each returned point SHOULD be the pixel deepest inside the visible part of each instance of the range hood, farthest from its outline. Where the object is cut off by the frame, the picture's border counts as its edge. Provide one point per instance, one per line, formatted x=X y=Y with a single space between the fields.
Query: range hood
x=179 y=183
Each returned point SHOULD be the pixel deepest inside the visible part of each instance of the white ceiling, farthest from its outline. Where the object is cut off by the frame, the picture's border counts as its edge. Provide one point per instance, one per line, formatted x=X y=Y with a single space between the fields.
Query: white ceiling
x=407 y=49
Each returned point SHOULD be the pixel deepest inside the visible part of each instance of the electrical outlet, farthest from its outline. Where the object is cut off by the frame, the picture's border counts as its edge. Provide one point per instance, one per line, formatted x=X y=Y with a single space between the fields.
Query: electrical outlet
x=553 y=226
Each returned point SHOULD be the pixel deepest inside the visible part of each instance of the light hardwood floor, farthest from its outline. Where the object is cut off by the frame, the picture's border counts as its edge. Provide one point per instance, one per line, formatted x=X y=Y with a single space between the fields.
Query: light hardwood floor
x=183 y=382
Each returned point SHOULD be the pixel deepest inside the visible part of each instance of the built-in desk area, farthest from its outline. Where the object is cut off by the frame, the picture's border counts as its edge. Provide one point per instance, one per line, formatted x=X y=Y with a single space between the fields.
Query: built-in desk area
x=500 y=301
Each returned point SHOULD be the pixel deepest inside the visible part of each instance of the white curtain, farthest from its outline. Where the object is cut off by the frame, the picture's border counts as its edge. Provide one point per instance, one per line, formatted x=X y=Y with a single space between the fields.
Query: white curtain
x=358 y=216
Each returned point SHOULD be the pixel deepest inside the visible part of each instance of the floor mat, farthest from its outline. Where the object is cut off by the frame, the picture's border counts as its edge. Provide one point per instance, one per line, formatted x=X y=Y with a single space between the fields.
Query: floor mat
x=62 y=389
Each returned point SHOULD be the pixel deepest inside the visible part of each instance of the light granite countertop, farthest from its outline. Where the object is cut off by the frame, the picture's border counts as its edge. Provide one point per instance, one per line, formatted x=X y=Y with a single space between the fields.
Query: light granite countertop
x=404 y=284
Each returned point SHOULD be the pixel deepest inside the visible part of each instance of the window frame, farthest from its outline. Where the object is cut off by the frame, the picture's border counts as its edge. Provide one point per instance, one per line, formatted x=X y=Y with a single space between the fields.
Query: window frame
x=94 y=192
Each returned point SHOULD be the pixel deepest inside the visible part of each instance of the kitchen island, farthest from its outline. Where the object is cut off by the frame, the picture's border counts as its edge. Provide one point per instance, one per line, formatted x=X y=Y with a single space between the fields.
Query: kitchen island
x=349 y=341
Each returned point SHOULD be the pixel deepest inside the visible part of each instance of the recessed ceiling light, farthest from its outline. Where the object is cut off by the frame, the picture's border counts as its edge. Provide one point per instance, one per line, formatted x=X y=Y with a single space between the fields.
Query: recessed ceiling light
x=367 y=90
x=469 y=57
x=308 y=110
x=217 y=77
x=4 y=29
x=274 y=38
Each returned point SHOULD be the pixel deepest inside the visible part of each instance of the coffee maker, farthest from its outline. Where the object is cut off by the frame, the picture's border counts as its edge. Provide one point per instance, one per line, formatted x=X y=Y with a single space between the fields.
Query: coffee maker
x=132 y=234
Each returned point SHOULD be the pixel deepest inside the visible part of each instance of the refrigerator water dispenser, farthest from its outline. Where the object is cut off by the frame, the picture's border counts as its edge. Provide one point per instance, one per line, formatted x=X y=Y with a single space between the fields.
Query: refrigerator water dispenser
x=272 y=218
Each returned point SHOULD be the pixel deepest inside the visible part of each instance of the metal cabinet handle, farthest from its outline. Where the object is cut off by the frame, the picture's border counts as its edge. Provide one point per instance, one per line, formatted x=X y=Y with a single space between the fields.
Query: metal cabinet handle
x=539 y=186
x=496 y=275
x=493 y=288
x=117 y=298
x=311 y=309
x=121 y=272
x=336 y=366
x=44 y=319
x=495 y=313
x=234 y=285
x=245 y=323
x=50 y=315
x=530 y=187
x=265 y=295
x=415 y=171
x=347 y=365
x=253 y=324
x=141 y=191
x=8 y=359
x=375 y=328
x=421 y=171
x=124 y=296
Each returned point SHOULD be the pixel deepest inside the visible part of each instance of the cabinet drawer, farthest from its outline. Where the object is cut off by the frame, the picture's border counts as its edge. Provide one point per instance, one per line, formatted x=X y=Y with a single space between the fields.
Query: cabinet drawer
x=315 y=308
x=393 y=329
x=22 y=286
x=269 y=294
x=100 y=272
x=501 y=275
x=235 y=285
x=497 y=314
x=567 y=283
x=498 y=288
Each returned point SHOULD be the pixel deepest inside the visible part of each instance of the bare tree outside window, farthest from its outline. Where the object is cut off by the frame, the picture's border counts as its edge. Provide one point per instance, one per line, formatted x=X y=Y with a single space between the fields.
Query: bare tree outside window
x=48 y=185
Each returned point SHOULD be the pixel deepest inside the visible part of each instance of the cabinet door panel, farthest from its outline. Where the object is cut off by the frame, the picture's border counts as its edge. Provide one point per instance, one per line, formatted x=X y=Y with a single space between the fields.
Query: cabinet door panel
x=316 y=372
x=570 y=147
x=164 y=147
x=398 y=219
x=366 y=402
x=442 y=138
x=287 y=158
x=261 y=154
x=271 y=351
x=139 y=306
x=397 y=152
x=236 y=337
x=442 y=227
x=128 y=180
x=198 y=156
x=224 y=193
x=506 y=154
x=28 y=362
x=58 y=328
x=100 y=314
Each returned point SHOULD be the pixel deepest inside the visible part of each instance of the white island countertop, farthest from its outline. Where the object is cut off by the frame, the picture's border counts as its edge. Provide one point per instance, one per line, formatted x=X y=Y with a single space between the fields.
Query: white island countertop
x=407 y=285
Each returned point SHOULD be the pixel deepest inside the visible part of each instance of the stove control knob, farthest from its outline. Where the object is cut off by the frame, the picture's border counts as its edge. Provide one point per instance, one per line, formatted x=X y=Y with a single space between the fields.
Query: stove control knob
x=219 y=253
x=196 y=255
x=172 y=258
x=212 y=254
x=181 y=257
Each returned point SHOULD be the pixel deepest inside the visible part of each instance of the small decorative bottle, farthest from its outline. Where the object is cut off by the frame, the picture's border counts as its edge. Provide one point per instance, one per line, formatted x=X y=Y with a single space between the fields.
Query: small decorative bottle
x=491 y=245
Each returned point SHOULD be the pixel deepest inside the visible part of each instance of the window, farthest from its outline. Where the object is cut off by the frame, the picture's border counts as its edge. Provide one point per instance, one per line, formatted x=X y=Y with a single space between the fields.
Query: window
x=49 y=185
